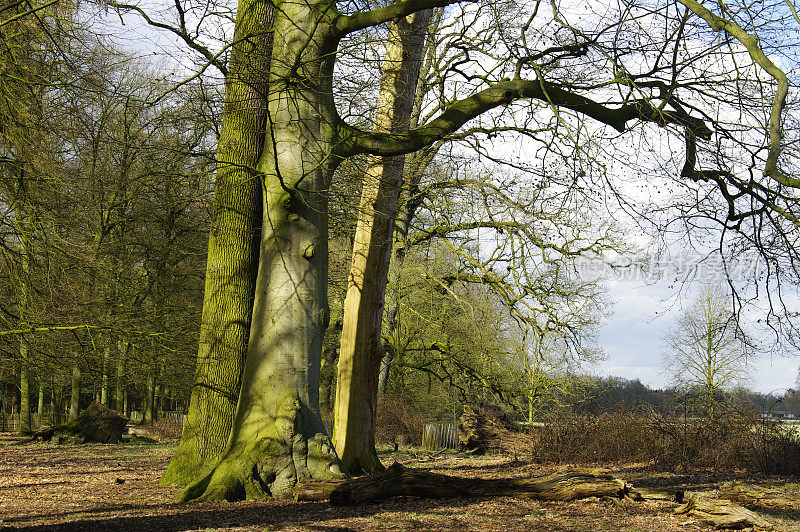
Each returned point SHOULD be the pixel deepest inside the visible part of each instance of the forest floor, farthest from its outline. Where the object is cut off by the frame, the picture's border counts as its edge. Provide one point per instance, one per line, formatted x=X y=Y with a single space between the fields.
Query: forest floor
x=115 y=487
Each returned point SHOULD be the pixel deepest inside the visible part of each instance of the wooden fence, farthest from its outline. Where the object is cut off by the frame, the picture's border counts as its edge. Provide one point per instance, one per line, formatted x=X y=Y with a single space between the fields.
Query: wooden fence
x=436 y=436
x=176 y=417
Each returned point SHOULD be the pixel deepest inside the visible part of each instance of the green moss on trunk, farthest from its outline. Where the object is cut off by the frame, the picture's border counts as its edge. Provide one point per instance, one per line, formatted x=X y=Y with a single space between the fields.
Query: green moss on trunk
x=232 y=252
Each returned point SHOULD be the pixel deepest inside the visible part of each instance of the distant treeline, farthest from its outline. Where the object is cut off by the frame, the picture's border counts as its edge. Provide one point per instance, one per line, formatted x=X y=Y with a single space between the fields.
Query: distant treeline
x=595 y=395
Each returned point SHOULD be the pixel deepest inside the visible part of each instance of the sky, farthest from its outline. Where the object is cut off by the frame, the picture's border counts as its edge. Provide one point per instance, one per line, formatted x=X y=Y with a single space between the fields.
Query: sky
x=633 y=338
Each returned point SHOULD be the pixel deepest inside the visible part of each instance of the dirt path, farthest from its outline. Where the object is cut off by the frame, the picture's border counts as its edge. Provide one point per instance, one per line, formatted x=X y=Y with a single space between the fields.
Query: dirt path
x=115 y=487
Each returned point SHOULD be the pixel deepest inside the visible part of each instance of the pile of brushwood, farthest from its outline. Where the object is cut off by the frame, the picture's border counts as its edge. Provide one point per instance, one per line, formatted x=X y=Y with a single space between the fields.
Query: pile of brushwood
x=97 y=423
x=487 y=428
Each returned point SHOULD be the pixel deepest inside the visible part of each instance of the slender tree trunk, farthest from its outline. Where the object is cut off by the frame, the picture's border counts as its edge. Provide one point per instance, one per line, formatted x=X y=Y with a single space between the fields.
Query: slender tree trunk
x=158 y=402
x=75 y=396
x=40 y=406
x=104 y=375
x=278 y=435
x=232 y=250
x=361 y=351
x=22 y=230
x=147 y=414
x=119 y=385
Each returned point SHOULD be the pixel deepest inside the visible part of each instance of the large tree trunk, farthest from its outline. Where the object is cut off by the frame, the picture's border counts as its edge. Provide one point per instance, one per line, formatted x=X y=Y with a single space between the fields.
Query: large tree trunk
x=361 y=350
x=232 y=249
x=722 y=514
x=104 y=376
x=24 y=381
x=278 y=435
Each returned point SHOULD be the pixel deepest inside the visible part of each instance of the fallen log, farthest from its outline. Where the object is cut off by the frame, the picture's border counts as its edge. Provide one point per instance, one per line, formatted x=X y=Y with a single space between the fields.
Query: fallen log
x=400 y=481
x=97 y=423
x=315 y=490
x=752 y=495
x=722 y=514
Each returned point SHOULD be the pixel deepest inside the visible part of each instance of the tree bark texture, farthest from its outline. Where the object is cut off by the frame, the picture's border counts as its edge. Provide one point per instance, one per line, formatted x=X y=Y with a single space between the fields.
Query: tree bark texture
x=361 y=351
x=148 y=414
x=277 y=435
x=233 y=248
x=40 y=403
x=22 y=229
x=104 y=377
x=119 y=385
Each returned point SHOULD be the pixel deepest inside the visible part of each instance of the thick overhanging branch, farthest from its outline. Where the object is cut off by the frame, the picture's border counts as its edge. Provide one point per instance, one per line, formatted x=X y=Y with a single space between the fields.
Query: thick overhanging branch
x=356 y=141
x=750 y=42
x=365 y=19
x=443 y=231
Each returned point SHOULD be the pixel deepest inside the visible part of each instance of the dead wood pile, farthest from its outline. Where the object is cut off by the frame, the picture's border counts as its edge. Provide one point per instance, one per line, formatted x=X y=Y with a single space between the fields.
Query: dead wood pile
x=97 y=423
x=486 y=428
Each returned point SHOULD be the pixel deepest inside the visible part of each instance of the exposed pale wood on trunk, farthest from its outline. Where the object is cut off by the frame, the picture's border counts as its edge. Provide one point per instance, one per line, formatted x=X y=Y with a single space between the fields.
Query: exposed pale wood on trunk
x=752 y=495
x=361 y=350
x=721 y=514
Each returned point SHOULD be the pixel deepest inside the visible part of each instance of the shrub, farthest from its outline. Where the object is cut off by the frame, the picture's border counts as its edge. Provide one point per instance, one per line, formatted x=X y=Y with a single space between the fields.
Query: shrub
x=610 y=437
x=398 y=421
x=731 y=440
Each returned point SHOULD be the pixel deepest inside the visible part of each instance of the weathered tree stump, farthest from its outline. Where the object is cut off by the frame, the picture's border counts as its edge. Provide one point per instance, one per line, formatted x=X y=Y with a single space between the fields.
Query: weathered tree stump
x=400 y=481
x=722 y=514
x=487 y=428
x=97 y=423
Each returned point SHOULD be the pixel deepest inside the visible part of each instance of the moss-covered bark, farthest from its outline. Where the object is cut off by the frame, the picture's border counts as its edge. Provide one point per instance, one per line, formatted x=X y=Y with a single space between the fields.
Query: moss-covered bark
x=277 y=435
x=232 y=250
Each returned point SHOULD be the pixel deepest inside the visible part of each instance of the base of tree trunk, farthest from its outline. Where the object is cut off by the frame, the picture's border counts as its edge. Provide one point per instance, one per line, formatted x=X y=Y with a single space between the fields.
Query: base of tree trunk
x=183 y=468
x=722 y=514
x=97 y=423
x=400 y=481
x=267 y=461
